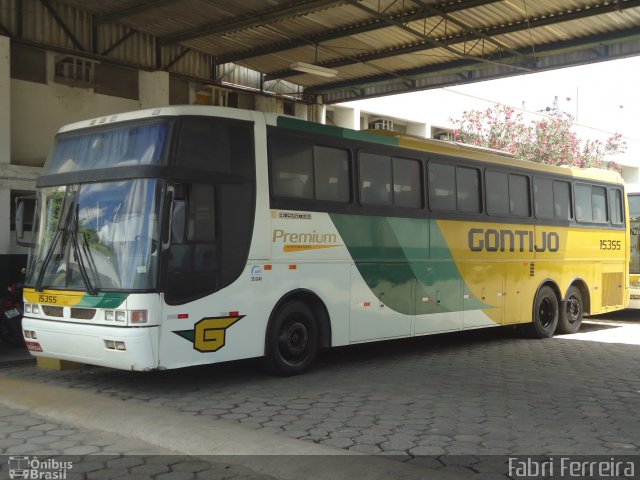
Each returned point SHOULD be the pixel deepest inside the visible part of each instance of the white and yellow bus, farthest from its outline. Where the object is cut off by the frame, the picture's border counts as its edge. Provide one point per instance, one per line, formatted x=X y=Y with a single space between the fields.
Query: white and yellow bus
x=633 y=197
x=192 y=235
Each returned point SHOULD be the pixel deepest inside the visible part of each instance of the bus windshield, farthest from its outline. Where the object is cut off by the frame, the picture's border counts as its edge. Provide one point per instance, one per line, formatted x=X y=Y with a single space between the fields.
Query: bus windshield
x=125 y=145
x=97 y=236
x=634 y=205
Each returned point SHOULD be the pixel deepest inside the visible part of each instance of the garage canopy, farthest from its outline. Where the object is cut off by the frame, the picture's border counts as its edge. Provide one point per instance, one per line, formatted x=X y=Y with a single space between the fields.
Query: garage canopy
x=351 y=49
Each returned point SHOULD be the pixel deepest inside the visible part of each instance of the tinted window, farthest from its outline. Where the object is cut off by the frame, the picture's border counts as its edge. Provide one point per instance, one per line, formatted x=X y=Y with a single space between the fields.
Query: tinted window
x=331 y=168
x=599 y=204
x=562 y=200
x=292 y=168
x=442 y=186
x=215 y=145
x=583 y=203
x=468 y=190
x=591 y=203
x=615 y=206
x=543 y=197
x=375 y=179
x=202 y=219
x=519 y=196
x=497 y=189
x=407 y=180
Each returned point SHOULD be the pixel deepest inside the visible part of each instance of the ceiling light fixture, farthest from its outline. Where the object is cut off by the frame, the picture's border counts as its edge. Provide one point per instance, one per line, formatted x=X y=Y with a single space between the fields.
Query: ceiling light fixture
x=314 y=69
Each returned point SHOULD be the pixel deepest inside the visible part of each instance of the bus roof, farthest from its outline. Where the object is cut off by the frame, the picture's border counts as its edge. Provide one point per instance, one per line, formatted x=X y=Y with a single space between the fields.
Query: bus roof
x=386 y=137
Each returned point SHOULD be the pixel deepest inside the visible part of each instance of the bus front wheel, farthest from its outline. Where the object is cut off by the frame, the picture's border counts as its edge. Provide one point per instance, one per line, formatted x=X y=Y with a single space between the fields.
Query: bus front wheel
x=292 y=340
x=546 y=310
x=571 y=315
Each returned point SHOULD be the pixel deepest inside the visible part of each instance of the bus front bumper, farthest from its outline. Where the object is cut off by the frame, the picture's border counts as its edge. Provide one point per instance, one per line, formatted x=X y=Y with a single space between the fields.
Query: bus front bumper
x=125 y=348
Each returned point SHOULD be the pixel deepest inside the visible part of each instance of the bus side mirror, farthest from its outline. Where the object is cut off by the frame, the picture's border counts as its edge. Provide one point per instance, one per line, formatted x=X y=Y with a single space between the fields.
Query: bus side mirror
x=23 y=206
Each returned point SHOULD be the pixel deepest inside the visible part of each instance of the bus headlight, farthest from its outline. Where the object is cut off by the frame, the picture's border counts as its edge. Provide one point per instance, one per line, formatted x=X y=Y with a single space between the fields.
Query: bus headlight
x=634 y=284
x=108 y=315
x=35 y=309
x=138 y=316
x=121 y=316
x=27 y=308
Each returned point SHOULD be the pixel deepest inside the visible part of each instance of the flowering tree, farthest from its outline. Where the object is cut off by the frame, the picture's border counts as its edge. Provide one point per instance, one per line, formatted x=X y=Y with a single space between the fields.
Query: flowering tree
x=549 y=140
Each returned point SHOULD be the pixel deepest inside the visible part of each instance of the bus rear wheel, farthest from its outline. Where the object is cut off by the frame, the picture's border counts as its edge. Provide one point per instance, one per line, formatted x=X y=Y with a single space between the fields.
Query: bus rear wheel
x=292 y=340
x=571 y=315
x=546 y=311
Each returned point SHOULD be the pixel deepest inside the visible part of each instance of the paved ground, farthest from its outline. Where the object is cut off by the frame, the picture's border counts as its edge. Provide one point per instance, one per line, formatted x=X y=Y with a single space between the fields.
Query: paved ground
x=444 y=401
x=101 y=455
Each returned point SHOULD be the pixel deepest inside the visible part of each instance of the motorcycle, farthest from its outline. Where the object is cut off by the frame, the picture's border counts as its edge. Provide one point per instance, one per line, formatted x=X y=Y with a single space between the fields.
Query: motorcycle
x=11 y=310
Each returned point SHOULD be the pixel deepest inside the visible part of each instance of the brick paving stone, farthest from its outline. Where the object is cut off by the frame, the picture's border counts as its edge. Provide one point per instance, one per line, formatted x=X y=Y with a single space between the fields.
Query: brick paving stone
x=476 y=392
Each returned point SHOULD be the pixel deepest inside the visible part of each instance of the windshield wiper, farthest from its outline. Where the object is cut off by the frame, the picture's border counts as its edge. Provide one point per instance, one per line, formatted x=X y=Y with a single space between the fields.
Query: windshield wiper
x=62 y=226
x=76 y=248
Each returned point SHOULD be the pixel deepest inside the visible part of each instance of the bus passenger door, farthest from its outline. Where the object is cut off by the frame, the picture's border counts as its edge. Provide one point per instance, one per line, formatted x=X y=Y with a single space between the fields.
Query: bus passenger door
x=484 y=293
x=381 y=303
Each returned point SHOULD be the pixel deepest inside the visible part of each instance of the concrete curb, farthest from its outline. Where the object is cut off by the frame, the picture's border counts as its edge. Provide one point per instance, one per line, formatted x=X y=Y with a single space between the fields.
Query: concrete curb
x=265 y=453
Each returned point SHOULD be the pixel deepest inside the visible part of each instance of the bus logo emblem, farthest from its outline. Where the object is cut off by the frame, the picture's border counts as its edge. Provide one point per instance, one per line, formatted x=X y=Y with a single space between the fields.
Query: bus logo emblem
x=209 y=334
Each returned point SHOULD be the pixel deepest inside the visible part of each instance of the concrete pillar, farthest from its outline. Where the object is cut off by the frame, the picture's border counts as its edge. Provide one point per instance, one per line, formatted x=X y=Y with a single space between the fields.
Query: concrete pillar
x=347 y=117
x=318 y=112
x=5 y=102
x=302 y=111
x=5 y=143
x=154 y=89
x=267 y=104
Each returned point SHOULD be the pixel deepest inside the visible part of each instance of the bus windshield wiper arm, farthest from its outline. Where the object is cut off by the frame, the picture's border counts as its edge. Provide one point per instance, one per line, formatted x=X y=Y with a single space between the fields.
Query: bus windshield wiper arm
x=62 y=226
x=76 y=248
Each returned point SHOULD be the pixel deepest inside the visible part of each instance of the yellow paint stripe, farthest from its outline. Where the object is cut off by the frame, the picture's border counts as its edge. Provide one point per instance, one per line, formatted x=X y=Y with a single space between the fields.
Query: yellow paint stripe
x=302 y=248
x=61 y=298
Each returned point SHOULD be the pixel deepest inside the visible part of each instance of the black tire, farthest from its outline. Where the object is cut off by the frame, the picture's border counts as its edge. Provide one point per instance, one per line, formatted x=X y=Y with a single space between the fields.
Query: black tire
x=292 y=340
x=546 y=311
x=572 y=312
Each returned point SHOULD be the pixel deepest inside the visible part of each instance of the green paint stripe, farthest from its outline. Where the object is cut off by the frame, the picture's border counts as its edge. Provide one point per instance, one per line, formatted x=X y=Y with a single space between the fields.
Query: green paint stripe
x=402 y=259
x=333 y=131
x=186 y=334
x=103 y=300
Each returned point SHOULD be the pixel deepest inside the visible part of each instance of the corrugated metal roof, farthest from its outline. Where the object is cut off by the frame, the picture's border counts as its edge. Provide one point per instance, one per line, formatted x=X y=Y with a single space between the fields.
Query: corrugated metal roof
x=376 y=46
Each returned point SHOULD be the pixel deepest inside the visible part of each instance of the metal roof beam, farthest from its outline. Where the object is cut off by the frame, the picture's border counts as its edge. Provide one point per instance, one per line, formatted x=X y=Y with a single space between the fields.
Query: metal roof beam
x=177 y=58
x=119 y=42
x=58 y=19
x=459 y=66
x=435 y=43
x=466 y=27
x=349 y=30
x=133 y=10
x=524 y=24
x=249 y=21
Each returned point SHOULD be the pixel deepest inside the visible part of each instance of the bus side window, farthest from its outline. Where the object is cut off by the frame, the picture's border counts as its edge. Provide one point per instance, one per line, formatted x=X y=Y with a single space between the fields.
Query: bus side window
x=375 y=179
x=543 y=205
x=497 y=193
x=615 y=206
x=599 y=204
x=331 y=172
x=562 y=200
x=519 y=195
